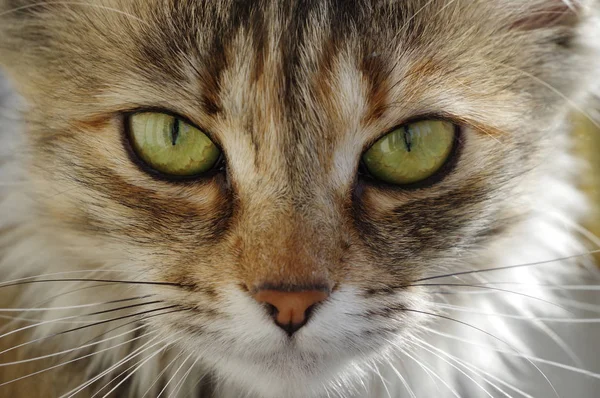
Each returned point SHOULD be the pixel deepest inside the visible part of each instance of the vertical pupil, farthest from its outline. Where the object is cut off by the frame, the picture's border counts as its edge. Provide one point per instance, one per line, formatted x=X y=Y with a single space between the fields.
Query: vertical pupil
x=407 y=139
x=175 y=131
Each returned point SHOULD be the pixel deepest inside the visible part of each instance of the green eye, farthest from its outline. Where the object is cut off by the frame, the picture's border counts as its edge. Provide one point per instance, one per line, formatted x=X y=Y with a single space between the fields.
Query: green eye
x=411 y=153
x=171 y=146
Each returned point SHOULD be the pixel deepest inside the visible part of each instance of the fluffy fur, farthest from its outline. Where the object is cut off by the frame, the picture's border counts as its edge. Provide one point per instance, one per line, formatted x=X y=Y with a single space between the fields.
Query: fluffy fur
x=294 y=92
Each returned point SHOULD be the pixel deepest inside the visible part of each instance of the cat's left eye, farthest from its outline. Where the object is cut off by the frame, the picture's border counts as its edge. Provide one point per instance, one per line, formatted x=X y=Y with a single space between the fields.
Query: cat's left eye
x=170 y=145
x=411 y=153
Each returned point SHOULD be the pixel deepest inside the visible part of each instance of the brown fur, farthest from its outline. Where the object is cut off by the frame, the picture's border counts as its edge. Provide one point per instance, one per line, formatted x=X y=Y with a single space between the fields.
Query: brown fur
x=293 y=92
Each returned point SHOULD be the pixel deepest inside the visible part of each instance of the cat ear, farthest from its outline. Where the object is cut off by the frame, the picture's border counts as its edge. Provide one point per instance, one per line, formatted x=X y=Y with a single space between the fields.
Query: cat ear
x=540 y=14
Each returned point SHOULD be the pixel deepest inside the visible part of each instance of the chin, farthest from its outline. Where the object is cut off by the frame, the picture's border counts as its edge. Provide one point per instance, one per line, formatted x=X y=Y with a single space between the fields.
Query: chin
x=292 y=379
x=291 y=374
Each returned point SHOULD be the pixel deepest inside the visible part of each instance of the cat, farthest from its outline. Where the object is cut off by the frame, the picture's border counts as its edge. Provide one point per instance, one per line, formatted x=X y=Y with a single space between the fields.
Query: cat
x=246 y=198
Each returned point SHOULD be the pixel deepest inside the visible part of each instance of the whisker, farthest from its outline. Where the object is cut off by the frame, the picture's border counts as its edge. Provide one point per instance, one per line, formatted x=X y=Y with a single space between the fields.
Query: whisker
x=89 y=326
x=383 y=380
x=139 y=319
x=70 y=361
x=34 y=320
x=511 y=316
x=123 y=373
x=476 y=370
x=116 y=281
x=478 y=286
x=73 y=306
x=8 y=325
x=174 y=374
x=550 y=287
x=78 y=316
x=580 y=305
x=420 y=363
x=163 y=372
x=138 y=367
x=116 y=377
x=88 y=355
x=180 y=384
x=85 y=271
x=559 y=365
x=402 y=380
x=460 y=371
x=402 y=350
x=479 y=271
x=489 y=334
x=137 y=352
x=589 y=235
x=561 y=343
x=69 y=350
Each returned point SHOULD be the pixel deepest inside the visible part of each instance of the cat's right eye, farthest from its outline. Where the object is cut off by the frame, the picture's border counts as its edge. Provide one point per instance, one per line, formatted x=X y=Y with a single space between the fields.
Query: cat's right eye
x=171 y=146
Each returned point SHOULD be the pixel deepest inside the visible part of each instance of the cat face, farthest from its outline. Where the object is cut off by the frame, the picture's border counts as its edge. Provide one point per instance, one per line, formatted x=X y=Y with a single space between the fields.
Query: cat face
x=292 y=95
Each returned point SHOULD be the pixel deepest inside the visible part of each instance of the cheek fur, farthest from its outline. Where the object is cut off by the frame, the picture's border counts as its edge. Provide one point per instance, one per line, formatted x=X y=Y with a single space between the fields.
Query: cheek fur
x=122 y=266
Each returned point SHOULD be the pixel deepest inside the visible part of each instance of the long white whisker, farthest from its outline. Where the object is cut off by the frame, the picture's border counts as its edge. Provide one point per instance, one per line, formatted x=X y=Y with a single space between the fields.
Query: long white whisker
x=477 y=371
x=403 y=381
x=73 y=317
x=550 y=287
x=174 y=374
x=509 y=267
x=117 y=377
x=181 y=382
x=137 y=352
x=402 y=350
x=459 y=370
x=35 y=320
x=135 y=370
x=519 y=355
x=72 y=306
x=452 y=390
x=86 y=271
x=163 y=372
x=494 y=337
x=96 y=323
x=580 y=305
x=69 y=350
x=68 y=362
x=518 y=317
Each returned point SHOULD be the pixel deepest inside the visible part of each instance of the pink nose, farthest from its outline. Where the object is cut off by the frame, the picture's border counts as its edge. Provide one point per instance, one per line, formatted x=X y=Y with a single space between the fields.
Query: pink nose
x=291 y=310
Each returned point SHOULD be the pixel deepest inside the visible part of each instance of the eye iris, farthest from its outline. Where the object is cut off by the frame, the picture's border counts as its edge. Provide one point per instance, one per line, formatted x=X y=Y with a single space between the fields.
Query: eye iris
x=411 y=153
x=171 y=146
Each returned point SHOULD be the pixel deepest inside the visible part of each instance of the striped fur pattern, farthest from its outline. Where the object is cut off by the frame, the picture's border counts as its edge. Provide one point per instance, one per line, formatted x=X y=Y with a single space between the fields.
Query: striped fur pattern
x=148 y=282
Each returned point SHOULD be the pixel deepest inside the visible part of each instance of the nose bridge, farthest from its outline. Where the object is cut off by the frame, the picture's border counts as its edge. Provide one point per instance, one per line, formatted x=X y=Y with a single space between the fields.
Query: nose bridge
x=284 y=246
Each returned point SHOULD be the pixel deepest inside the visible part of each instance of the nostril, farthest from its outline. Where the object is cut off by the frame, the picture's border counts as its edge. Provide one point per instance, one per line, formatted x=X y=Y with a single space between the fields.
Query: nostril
x=309 y=311
x=271 y=310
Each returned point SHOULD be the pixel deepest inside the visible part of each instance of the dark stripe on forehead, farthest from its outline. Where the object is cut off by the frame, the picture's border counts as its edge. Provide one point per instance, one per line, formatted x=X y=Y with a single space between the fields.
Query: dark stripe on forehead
x=197 y=36
x=347 y=16
x=216 y=59
x=292 y=40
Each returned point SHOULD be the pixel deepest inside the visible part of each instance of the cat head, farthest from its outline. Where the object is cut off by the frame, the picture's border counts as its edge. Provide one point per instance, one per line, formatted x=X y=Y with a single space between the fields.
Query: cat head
x=295 y=255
